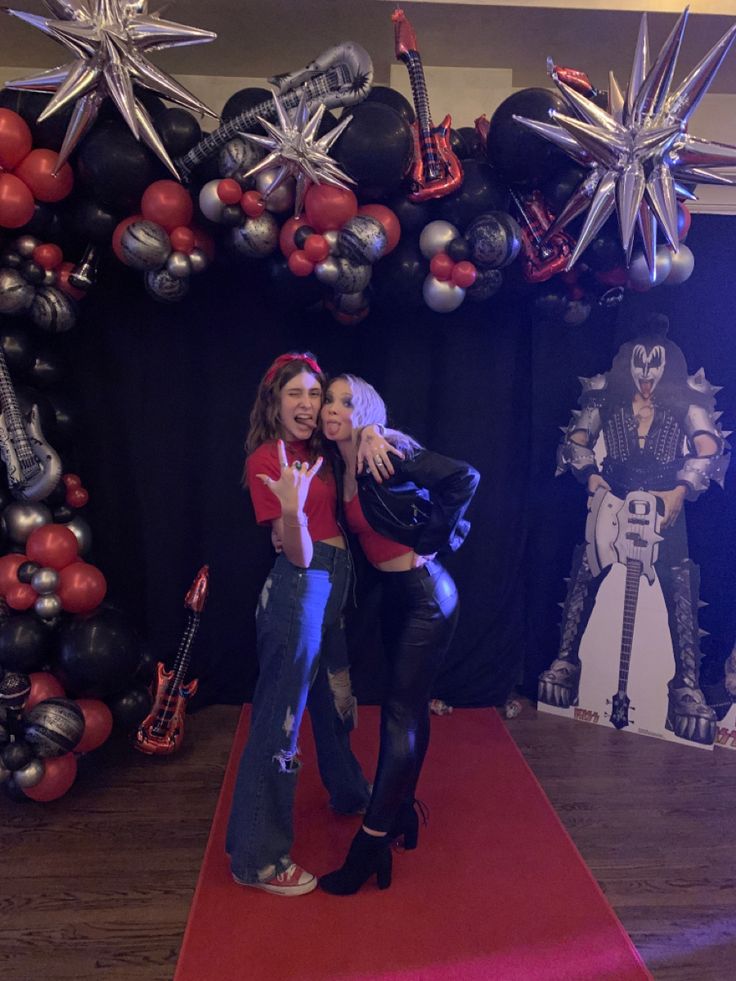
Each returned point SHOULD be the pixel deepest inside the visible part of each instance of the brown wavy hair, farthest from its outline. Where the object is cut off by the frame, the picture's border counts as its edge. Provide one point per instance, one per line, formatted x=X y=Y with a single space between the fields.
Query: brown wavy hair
x=264 y=423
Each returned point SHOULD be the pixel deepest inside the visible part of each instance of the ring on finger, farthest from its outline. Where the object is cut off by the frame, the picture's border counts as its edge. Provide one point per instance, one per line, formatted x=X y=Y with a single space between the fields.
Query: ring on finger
x=298 y=465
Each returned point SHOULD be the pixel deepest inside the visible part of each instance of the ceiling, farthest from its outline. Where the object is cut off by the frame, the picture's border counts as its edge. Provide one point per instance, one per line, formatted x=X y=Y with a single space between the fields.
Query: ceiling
x=257 y=39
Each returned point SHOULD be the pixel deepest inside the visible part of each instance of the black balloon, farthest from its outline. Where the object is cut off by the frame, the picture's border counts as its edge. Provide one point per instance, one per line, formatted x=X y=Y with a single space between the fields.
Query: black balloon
x=472 y=142
x=90 y=221
x=129 y=708
x=482 y=190
x=390 y=97
x=17 y=348
x=605 y=251
x=487 y=283
x=550 y=305
x=523 y=158
x=398 y=279
x=302 y=234
x=116 y=167
x=25 y=643
x=46 y=223
x=32 y=272
x=16 y=755
x=458 y=249
x=98 y=652
x=558 y=188
x=179 y=130
x=289 y=290
x=412 y=215
x=244 y=100
x=27 y=571
x=27 y=398
x=47 y=369
x=377 y=148
x=65 y=416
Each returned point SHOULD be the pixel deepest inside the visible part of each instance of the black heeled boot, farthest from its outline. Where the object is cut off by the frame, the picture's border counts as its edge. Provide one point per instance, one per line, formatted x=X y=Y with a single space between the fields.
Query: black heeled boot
x=406 y=823
x=368 y=854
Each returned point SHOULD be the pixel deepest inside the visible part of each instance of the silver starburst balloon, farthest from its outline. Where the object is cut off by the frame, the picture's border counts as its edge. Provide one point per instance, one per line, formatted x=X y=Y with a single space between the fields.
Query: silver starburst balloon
x=296 y=151
x=639 y=150
x=109 y=40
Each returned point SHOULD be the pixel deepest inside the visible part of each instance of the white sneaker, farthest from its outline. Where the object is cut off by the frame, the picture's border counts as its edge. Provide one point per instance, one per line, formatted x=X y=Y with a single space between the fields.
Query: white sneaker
x=293 y=881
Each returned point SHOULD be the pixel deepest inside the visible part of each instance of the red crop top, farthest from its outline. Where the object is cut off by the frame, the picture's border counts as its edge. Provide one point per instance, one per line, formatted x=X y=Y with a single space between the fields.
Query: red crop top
x=377 y=548
x=321 y=500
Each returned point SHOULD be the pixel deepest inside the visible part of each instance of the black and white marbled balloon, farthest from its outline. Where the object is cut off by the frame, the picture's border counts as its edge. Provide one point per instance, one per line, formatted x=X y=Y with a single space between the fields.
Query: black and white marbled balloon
x=256 y=237
x=16 y=295
x=494 y=239
x=163 y=286
x=235 y=160
x=145 y=245
x=362 y=240
x=53 y=310
x=351 y=277
x=487 y=283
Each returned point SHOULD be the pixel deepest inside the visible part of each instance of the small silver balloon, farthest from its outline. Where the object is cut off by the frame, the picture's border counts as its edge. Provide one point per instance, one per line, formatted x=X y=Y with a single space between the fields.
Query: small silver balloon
x=236 y=158
x=352 y=278
x=45 y=581
x=16 y=295
x=362 y=239
x=198 y=261
x=683 y=263
x=178 y=265
x=82 y=532
x=209 y=201
x=53 y=311
x=163 y=286
x=256 y=237
x=49 y=277
x=350 y=302
x=442 y=296
x=48 y=606
x=25 y=245
x=145 y=245
x=21 y=519
x=639 y=278
x=331 y=237
x=30 y=774
x=327 y=271
x=435 y=237
x=282 y=198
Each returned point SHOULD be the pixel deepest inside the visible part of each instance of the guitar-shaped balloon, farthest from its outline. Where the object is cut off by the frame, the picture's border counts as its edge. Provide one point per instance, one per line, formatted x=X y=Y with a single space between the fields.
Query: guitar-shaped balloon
x=544 y=254
x=341 y=76
x=636 y=546
x=436 y=170
x=34 y=468
x=162 y=731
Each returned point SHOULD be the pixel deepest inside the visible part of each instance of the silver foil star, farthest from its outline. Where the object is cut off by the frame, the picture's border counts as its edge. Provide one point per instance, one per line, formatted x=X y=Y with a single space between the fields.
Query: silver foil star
x=109 y=39
x=639 y=150
x=296 y=151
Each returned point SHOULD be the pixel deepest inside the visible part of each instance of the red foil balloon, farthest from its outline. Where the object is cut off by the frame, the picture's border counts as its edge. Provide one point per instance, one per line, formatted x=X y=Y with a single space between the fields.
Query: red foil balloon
x=54 y=545
x=82 y=587
x=59 y=774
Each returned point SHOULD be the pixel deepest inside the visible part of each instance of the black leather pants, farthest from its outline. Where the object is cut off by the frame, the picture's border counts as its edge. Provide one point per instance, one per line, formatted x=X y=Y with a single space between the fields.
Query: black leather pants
x=419 y=614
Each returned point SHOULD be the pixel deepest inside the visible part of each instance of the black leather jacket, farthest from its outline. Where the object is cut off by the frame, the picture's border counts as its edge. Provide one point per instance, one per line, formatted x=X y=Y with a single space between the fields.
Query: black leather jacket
x=422 y=504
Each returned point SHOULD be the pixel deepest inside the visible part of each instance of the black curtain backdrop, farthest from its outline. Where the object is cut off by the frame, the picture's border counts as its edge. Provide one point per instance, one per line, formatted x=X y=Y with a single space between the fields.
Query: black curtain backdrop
x=162 y=399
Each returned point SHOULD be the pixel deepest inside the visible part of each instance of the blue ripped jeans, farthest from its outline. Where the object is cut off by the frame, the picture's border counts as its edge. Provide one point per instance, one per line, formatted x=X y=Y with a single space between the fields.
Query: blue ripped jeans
x=299 y=634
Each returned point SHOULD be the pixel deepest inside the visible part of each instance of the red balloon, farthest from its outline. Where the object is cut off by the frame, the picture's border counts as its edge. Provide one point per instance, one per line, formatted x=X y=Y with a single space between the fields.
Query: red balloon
x=37 y=171
x=52 y=545
x=328 y=207
x=118 y=234
x=182 y=239
x=286 y=235
x=62 y=282
x=21 y=596
x=71 y=480
x=16 y=202
x=97 y=724
x=388 y=219
x=441 y=266
x=43 y=685
x=48 y=255
x=168 y=204
x=59 y=774
x=684 y=218
x=618 y=276
x=15 y=139
x=77 y=497
x=229 y=191
x=299 y=264
x=316 y=248
x=253 y=204
x=204 y=241
x=9 y=565
x=464 y=274
x=82 y=587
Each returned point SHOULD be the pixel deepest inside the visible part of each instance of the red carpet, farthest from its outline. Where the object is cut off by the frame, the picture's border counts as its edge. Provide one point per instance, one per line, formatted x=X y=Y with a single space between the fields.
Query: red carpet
x=496 y=889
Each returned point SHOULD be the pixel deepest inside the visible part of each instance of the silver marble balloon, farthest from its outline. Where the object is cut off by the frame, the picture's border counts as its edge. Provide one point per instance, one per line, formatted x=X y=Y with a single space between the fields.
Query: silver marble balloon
x=327 y=271
x=145 y=245
x=209 y=201
x=362 y=239
x=683 y=263
x=163 y=286
x=16 y=295
x=178 y=265
x=279 y=198
x=435 y=237
x=53 y=311
x=641 y=278
x=45 y=581
x=442 y=296
x=21 y=519
x=30 y=774
x=48 y=606
x=198 y=261
x=256 y=237
x=82 y=532
x=25 y=245
x=236 y=158
x=351 y=278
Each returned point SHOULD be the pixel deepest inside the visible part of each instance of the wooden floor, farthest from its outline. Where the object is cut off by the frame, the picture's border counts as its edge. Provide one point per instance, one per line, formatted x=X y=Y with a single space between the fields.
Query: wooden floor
x=98 y=884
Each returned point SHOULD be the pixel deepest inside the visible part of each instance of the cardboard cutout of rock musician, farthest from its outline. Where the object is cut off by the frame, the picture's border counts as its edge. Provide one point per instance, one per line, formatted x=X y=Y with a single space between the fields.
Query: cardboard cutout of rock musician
x=661 y=444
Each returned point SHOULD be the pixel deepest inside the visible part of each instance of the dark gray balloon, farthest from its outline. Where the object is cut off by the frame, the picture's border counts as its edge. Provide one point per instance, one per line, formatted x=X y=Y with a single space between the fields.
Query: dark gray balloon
x=16 y=295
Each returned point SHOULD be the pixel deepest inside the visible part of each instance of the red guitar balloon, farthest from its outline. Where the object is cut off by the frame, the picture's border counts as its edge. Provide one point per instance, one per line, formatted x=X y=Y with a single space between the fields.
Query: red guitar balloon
x=436 y=170
x=162 y=731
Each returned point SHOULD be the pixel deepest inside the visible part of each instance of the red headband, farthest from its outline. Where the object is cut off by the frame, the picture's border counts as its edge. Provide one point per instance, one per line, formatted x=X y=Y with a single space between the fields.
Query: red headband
x=285 y=359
